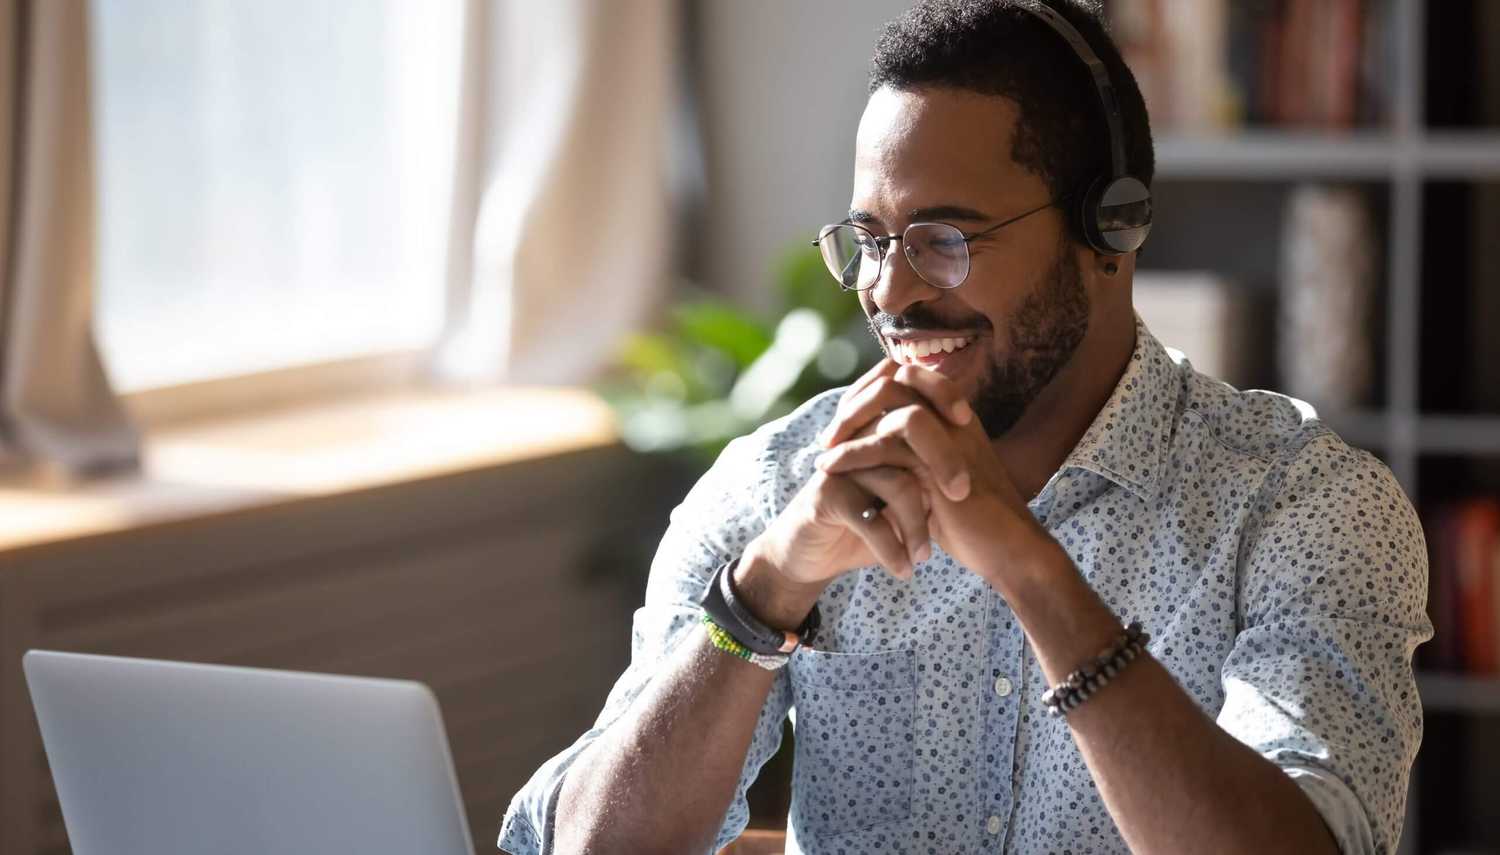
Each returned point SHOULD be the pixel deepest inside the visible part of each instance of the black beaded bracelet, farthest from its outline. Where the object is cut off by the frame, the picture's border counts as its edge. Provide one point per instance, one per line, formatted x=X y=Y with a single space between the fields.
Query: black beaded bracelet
x=1093 y=676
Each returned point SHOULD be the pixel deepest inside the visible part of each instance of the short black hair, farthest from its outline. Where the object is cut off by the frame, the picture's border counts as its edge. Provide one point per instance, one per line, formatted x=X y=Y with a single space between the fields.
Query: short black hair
x=995 y=47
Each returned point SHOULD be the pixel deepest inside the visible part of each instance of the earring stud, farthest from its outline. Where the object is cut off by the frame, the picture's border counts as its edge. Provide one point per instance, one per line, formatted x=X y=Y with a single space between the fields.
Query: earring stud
x=1110 y=268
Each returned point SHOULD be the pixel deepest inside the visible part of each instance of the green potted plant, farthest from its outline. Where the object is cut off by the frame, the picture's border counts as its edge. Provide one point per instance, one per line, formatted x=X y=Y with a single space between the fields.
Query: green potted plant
x=717 y=371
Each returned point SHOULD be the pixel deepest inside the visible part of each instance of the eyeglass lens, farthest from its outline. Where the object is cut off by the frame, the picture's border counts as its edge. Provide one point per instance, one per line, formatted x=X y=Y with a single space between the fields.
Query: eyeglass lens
x=937 y=252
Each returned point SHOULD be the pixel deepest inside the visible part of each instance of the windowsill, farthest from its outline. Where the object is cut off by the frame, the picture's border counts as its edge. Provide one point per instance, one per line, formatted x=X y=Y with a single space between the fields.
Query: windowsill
x=253 y=461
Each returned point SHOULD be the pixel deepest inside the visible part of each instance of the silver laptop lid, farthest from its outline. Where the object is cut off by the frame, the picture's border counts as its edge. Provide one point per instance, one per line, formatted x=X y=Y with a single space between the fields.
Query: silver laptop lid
x=160 y=758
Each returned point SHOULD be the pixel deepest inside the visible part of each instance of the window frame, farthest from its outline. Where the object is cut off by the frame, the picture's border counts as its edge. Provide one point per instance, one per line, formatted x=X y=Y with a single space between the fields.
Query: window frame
x=280 y=388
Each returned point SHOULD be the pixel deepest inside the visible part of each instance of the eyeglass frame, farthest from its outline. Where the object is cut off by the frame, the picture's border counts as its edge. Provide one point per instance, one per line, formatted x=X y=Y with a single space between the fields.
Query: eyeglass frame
x=883 y=242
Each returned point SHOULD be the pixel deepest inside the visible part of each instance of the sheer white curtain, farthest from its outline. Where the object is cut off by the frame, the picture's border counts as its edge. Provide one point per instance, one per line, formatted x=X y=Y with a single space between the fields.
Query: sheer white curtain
x=558 y=239
x=568 y=112
x=56 y=405
x=274 y=181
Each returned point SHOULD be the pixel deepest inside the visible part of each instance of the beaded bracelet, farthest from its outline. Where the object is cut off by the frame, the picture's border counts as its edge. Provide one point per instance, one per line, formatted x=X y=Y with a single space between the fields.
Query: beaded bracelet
x=1093 y=676
x=721 y=639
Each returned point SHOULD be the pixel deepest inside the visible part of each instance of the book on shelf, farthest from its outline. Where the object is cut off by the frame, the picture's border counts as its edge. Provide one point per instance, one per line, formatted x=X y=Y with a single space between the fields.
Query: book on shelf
x=1464 y=587
x=1325 y=331
x=1206 y=65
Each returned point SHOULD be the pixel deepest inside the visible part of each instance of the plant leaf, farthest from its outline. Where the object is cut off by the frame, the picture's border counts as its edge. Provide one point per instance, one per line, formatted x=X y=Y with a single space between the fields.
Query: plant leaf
x=723 y=328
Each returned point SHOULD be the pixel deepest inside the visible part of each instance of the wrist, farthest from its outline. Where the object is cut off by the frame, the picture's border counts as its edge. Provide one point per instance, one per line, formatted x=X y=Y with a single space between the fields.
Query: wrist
x=1063 y=617
x=1025 y=562
x=777 y=601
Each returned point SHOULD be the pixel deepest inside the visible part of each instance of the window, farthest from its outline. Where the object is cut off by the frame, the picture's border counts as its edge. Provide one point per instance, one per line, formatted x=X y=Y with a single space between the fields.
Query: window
x=275 y=180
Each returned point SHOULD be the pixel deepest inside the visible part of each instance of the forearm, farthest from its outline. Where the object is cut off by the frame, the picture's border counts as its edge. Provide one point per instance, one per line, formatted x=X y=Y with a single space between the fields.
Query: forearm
x=662 y=778
x=1172 y=779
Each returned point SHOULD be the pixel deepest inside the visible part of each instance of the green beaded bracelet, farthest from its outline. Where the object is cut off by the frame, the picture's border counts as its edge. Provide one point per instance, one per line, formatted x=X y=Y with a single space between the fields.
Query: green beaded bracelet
x=720 y=638
x=723 y=640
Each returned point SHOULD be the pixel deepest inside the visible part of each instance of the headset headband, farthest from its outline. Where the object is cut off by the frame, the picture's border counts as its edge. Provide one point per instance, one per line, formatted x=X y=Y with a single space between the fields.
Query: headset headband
x=1102 y=84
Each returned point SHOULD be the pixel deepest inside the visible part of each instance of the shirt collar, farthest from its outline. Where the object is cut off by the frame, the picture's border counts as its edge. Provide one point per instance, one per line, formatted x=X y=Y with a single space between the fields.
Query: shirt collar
x=1128 y=439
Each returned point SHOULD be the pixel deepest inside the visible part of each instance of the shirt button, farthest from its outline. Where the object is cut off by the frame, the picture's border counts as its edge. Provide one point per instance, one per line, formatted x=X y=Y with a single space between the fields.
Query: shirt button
x=1002 y=686
x=993 y=826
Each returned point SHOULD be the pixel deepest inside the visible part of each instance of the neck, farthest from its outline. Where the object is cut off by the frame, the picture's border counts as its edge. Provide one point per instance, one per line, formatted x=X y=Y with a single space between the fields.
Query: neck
x=1053 y=424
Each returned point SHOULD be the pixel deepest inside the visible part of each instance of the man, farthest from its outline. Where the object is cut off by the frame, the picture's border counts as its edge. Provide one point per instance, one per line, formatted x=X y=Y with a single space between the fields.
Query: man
x=976 y=517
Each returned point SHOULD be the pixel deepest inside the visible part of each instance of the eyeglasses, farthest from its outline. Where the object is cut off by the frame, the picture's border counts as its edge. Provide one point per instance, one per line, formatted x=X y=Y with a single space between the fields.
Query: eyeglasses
x=938 y=252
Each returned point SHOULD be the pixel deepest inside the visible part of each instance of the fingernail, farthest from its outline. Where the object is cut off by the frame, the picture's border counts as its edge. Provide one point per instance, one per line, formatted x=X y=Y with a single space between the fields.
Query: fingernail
x=958 y=488
x=962 y=412
x=821 y=461
x=924 y=552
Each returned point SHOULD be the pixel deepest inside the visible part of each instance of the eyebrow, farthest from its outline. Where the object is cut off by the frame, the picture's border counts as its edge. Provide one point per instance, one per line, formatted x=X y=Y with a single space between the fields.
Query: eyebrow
x=935 y=212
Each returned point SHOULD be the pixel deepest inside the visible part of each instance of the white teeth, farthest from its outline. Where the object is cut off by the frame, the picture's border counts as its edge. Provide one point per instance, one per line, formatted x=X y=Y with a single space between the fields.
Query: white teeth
x=910 y=351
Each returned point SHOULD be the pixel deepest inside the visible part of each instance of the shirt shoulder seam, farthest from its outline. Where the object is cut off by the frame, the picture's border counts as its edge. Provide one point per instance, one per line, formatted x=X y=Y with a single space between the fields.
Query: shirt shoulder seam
x=1311 y=432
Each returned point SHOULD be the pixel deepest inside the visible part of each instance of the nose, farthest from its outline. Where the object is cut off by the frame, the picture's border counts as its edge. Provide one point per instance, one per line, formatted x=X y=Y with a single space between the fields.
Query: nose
x=899 y=286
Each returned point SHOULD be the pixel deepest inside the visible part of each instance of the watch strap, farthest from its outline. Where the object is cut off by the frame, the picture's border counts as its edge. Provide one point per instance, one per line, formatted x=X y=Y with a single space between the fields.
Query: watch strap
x=721 y=602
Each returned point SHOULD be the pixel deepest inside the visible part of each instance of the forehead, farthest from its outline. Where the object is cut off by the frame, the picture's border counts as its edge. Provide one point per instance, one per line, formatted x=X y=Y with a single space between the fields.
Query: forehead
x=936 y=146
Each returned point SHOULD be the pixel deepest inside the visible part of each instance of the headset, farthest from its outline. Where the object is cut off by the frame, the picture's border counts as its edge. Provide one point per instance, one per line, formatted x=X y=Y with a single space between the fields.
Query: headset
x=1114 y=212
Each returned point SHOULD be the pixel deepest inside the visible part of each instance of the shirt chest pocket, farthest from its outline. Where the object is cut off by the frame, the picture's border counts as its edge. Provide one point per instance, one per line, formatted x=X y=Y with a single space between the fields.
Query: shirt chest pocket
x=854 y=739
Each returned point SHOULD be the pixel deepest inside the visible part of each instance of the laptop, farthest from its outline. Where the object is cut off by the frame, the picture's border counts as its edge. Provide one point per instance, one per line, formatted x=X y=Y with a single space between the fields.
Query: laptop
x=170 y=758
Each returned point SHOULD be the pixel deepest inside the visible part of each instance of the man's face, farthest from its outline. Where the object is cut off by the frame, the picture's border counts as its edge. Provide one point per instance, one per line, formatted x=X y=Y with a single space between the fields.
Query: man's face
x=942 y=155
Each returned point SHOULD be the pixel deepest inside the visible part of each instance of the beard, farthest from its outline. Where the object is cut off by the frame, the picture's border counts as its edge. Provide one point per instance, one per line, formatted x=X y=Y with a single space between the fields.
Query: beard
x=1044 y=333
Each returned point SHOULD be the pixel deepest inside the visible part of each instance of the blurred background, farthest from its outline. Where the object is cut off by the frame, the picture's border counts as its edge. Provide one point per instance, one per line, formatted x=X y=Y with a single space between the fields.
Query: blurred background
x=380 y=337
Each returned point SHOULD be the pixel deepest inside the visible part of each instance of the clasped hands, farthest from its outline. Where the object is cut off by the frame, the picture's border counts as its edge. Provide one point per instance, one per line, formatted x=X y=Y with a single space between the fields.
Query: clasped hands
x=907 y=435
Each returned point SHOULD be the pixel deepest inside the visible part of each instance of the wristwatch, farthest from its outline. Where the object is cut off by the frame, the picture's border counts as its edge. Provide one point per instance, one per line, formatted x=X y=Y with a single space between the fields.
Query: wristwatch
x=722 y=603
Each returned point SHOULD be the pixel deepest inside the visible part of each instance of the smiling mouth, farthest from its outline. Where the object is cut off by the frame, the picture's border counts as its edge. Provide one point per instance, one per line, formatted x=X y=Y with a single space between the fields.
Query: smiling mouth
x=925 y=351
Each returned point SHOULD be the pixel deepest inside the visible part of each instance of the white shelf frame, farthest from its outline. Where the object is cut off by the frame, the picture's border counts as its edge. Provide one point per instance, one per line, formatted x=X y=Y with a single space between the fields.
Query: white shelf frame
x=1459 y=693
x=1355 y=155
x=1404 y=249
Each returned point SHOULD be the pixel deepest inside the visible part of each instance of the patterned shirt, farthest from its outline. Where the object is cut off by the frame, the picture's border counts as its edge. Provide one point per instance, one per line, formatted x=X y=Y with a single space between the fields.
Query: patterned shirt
x=1281 y=573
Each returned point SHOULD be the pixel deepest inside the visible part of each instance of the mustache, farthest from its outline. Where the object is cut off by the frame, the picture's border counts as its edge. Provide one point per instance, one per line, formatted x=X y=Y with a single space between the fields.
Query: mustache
x=918 y=319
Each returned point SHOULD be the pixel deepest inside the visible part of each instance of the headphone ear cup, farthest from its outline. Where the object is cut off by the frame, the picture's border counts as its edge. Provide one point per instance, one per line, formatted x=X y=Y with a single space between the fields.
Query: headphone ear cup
x=1116 y=215
x=1088 y=216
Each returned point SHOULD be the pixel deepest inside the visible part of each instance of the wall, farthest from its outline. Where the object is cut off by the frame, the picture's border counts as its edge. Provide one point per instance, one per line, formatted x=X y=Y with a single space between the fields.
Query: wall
x=782 y=85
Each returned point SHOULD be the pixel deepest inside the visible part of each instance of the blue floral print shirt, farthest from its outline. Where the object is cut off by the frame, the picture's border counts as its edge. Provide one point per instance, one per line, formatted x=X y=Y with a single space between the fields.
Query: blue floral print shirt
x=1281 y=573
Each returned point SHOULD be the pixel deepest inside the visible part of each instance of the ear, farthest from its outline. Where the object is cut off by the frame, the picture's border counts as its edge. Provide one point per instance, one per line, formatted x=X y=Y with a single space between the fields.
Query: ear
x=1113 y=267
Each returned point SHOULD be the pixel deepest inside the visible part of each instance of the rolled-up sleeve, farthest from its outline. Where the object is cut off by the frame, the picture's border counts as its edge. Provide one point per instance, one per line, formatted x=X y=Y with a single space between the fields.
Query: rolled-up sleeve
x=1332 y=603
x=720 y=515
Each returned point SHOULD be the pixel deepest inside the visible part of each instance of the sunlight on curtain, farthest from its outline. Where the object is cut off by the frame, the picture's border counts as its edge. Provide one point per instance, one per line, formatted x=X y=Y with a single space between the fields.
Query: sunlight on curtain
x=275 y=181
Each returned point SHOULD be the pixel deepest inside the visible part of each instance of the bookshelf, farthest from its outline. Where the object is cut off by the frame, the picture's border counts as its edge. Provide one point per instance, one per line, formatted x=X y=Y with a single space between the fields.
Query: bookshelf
x=1261 y=154
x=1456 y=693
x=1406 y=163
